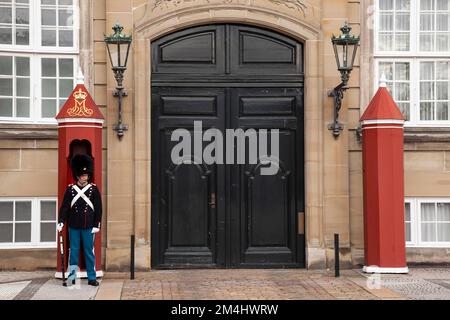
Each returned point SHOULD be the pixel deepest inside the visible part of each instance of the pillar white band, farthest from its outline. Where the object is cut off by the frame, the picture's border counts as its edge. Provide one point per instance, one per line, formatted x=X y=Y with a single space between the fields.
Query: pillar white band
x=375 y=269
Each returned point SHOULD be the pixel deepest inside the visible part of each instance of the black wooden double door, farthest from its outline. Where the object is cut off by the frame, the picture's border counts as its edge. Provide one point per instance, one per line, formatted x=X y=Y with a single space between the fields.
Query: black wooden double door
x=227 y=214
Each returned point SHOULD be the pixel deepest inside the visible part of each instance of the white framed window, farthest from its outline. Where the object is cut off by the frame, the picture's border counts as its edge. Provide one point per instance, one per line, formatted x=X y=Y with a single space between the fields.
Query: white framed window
x=427 y=222
x=28 y=223
x=37 y=75
x=420 y=87
x=412 y=48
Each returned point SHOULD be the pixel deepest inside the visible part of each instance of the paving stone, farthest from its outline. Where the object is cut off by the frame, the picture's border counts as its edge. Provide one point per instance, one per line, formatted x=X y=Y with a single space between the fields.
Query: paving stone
x=53 y=290
x=9 y=290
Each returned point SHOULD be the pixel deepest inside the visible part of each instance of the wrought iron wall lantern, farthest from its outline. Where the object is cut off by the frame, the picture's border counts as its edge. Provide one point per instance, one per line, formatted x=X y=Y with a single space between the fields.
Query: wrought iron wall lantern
x=345 y=47
x=118 y=45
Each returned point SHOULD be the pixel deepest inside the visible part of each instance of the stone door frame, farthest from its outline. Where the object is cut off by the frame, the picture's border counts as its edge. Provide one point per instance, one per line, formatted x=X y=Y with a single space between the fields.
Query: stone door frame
x=301 y=25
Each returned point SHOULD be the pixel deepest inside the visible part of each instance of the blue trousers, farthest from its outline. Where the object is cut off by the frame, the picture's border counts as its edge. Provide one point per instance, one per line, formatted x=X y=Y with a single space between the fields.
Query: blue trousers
x=85 y=235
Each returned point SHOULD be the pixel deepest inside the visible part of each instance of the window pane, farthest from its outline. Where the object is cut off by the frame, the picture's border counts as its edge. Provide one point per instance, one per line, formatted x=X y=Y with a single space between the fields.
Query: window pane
x=402 y=71
x=402 y=4
x=427 y=71
x=428 y=231
x=22 y=16
x=402 y=22
x=442 y=42
x=48 y=232
x=386 y=22
x=6 y=35
x=5 y=107
x=65 y=87
x=61 y=103
x=386 y=42
x=426 y=4
x=443 y=212
x=404 y=108
x=5 y=65
x=65 y=38
x=6 y=87
x=427 y=42
x=51 y=2
x=426 y=111
x=426 y=91
x=22 y=66
x=442 y=70
x=407 y=211
x=48 y=17
x=408 y=231
x=402 y=91
x=48 y=210
x=6 y=232
x=23 y=87
x=49 y=87
x=65 y=17
x=441 y=90
x=427 y=22
x=65 y=67
x=428 y=212
x=23 y=232
x=23 y=211
x=442 y=4
x=387 y=69
x=65 y=2
x=48 y=108
x=22 y=37
x=442 y=22
x=5 y=15
x=442 y=111
x=443 y=232
x=386 y=4
x=402 y=41
x=48 y=67
x=48 y=37
x=23 y=108
x=6 y=211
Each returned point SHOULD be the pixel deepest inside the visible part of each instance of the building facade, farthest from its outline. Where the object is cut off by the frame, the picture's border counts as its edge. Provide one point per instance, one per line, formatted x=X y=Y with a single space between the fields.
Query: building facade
x=231 y=64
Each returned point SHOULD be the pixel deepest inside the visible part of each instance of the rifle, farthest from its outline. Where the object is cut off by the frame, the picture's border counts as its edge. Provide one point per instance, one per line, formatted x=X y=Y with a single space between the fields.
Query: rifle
x=61 y=245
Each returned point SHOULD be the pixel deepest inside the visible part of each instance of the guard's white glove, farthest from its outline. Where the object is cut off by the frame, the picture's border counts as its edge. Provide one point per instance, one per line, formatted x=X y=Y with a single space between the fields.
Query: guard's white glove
x=95 y=230
x=60 y=226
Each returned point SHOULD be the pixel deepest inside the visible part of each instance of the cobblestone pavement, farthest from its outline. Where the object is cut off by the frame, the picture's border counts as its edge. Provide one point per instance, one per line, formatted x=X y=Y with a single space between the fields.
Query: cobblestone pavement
x=266 y=284
x=420 y=283
x=243 y=284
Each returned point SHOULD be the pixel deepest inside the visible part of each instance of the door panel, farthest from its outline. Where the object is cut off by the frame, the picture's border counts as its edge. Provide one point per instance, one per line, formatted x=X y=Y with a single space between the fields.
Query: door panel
x=266 y=205
x=198 y=50
x=185 y=193
x=227 y=215
x=263 y=52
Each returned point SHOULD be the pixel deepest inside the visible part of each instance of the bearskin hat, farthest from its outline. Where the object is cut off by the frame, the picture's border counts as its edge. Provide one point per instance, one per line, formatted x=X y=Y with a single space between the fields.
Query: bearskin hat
x=81 y=164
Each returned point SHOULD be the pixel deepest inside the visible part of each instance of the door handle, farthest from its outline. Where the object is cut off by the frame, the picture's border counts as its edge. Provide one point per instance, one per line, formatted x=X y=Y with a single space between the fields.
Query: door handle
x=212 y=203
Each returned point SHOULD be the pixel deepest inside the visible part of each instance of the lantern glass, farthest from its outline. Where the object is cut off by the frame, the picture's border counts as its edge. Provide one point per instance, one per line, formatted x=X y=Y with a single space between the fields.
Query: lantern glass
x=345 y=47
x=118 y=54
x=118 y=45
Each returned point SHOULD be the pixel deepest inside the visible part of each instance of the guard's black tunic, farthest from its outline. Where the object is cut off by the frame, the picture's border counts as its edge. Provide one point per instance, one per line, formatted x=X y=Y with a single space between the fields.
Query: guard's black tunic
x=81 y=215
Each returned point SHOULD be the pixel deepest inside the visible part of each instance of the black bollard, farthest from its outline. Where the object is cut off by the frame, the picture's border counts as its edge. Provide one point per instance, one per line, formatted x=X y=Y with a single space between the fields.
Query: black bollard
x=336 y=255
x=132 y=258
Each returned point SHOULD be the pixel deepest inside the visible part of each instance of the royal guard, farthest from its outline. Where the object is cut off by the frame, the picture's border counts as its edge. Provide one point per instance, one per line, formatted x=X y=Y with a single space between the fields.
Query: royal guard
x=81 y=209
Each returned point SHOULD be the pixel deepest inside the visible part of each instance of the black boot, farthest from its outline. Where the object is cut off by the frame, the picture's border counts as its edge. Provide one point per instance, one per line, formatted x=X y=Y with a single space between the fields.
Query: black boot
x=93 y=283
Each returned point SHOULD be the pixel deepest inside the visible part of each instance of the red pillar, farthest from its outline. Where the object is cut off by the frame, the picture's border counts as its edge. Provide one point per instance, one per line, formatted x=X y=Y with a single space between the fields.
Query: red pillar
x=384 y=216
x=80 y=125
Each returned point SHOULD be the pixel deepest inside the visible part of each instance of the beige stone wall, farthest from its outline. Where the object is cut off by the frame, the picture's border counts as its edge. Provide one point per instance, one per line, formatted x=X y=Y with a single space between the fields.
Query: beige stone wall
x=333 y=167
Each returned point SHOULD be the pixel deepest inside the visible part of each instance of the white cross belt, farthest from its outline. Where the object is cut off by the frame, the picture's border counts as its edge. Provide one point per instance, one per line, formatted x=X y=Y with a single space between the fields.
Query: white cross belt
x=80 y=193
